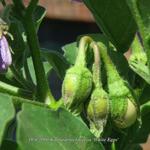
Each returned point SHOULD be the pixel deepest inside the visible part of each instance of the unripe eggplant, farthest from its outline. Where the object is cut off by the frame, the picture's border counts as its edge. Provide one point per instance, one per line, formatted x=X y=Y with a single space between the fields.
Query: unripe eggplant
x=77 y=83
x=98 y=107
x=123 y=105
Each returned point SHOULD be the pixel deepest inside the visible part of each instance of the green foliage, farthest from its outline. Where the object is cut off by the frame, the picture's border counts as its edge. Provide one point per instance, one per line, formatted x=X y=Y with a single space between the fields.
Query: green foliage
x=57 y=61
x=51 y=130
x=99 y=92
x=115 y=20
x=7 y=113
x=141 y=13
x=143 y=133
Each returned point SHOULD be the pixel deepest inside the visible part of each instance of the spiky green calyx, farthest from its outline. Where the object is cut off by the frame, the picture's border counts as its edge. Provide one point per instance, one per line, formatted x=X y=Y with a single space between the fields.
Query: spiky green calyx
x=77 y=83
x=77 y=86
x=123 y=106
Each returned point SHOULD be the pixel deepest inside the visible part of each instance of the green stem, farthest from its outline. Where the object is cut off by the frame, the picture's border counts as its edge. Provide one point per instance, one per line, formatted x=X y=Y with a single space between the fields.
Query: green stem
x=113 y=74
x=96 y=66
x=31 y=7
x=113 y=146
x=83 y=45
x=19 y=7
x=9 y=89
x=43 y=92
x=19 y=101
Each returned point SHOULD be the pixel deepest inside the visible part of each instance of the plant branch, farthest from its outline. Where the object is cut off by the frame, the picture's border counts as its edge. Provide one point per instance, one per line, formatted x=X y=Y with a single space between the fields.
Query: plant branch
x=19 y=101
x=12 y=90
x=83 y=44
x=43 y=91
x=96 y=65
x=31 y=7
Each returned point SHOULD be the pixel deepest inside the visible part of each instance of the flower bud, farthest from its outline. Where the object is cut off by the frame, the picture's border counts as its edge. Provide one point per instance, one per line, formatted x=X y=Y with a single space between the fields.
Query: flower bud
x=127 y=117
x=5 y=54
x=76 y=86
x=97 y=111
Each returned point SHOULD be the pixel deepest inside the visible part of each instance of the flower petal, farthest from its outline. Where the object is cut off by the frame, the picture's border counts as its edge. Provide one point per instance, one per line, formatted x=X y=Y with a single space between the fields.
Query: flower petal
x=5 y=54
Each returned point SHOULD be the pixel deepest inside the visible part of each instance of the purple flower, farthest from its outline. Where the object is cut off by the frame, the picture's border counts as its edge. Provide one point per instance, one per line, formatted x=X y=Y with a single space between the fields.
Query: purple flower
x=5 y=54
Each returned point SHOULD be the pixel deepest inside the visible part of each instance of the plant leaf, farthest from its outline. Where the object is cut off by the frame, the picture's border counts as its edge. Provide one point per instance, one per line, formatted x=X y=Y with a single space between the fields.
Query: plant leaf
x=70 y=52
x=116 y=21
x=38 y=16
x=7 y=113
x=145 y=95
x=57 y=61
x=143 y=133
x=47 y=68
x=141 y=13
x=42 y=128
x=141 y=69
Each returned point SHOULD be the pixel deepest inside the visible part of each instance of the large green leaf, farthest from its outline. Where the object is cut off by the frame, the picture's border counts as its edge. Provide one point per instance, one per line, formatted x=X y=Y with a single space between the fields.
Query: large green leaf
x=57 y=61
x=41 y=128
x=7 y=113
x=115 y=19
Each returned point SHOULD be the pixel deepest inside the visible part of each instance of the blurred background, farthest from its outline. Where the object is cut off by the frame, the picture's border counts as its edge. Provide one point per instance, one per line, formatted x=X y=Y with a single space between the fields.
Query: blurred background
x=64 y=21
